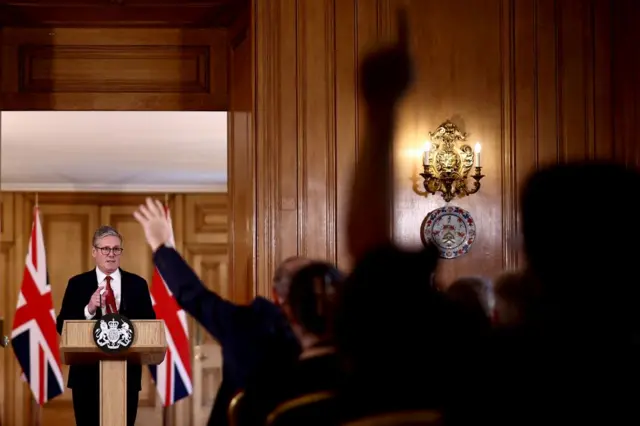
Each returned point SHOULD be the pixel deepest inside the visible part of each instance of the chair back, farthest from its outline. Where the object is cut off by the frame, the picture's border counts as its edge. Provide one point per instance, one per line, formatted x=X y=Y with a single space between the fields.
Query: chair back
x=233 y=411
x=400 y=418
x=317 y=408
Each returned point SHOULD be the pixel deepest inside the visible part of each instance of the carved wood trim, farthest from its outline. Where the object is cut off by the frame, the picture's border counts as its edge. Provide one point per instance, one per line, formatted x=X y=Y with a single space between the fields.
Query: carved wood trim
x=268 y=102
x=48 y=69
x=114 y=69
x=7 y=232
x=17 y=395
x=121 y=13
x=509 y=197
x=6 y=382
x=92 y=198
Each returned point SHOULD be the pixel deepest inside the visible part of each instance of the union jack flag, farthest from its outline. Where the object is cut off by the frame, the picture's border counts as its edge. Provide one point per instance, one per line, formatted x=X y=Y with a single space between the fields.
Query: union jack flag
x=34 y=337
x=173 y=375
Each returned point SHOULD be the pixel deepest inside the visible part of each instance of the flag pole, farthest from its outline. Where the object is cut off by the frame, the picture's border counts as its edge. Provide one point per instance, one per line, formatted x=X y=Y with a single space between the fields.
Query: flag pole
x=165 y=410
x=36 y=409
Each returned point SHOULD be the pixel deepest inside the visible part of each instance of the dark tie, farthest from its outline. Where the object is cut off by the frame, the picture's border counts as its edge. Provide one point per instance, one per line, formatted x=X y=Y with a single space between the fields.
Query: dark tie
x=110 y=299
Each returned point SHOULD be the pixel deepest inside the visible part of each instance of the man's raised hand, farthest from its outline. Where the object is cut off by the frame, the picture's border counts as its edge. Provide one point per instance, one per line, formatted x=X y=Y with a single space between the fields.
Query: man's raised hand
x=157 y=228
x=387 y=73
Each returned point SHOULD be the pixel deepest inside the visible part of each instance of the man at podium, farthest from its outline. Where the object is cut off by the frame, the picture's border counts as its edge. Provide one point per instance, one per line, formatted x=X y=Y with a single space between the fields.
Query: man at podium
x=90 y=295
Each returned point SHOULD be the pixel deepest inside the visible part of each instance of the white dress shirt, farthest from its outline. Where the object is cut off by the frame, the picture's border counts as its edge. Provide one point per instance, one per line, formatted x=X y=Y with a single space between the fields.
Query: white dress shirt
x=116 y=286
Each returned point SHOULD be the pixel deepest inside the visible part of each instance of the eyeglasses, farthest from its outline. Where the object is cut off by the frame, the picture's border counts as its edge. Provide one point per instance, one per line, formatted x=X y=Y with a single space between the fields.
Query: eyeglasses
x=117 y=251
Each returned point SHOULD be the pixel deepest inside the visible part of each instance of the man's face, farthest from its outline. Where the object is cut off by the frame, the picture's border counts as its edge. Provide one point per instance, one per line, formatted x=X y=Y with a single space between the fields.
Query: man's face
x=107 y=253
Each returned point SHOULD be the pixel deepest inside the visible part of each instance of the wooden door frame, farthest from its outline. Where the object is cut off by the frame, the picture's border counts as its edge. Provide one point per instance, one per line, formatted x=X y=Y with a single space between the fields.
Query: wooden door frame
x=19 y=410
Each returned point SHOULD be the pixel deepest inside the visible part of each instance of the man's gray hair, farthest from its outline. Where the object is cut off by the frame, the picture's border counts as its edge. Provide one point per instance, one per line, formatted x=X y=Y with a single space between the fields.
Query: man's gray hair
x=105 y=231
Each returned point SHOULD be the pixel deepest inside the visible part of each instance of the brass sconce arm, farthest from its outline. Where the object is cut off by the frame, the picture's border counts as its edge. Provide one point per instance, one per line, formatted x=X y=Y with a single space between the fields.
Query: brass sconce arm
x=449 y=185
x=462 y=186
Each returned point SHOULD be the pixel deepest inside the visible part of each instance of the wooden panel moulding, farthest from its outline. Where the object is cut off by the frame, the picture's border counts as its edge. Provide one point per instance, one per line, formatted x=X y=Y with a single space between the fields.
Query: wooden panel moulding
x=114 y=69
x=121 y=13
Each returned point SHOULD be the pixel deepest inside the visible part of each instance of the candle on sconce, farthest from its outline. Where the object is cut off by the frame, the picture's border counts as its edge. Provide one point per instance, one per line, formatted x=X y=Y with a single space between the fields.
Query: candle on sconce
x=425 y=155
x=477 y=150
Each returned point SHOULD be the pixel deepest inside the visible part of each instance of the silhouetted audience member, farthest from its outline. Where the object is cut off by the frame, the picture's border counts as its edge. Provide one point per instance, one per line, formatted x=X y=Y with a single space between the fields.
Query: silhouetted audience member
x=475 y=296
x=254 y=337
x=310 y=308
x=385 y=304
x=572 y=245
x=516 y=297
x=403 y=343
x=576 y=359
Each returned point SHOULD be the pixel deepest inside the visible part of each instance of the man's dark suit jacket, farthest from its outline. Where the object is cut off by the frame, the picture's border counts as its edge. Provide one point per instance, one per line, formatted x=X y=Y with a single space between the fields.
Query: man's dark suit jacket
x=255 y=338
x=135 y=303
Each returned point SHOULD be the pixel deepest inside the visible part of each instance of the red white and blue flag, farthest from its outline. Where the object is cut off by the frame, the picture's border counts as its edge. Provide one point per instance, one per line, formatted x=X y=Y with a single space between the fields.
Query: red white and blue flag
x=173 y=376
x=34 y=337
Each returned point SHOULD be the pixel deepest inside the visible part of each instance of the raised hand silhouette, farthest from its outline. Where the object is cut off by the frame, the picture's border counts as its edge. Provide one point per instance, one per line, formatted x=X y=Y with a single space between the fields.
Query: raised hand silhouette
x=387 y=73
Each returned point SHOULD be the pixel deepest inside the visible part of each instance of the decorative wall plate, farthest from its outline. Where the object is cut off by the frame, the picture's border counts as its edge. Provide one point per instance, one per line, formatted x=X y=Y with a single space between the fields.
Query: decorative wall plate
x=451 y=229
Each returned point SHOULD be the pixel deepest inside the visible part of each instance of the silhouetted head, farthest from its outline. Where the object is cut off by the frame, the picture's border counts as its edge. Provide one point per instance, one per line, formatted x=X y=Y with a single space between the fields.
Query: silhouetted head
x=475 y=296
x=516 y=299
x=387 y=302
x=311 y=302
x=575 y=213
x=283 y=274
x=579 y=235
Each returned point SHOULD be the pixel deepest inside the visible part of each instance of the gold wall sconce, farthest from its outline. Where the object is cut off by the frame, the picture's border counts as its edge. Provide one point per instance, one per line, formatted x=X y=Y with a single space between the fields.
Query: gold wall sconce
x=447 y=164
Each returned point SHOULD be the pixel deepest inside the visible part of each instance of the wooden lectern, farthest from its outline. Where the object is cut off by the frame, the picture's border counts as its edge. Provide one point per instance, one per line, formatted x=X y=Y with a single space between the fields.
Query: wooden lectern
x=78 y=347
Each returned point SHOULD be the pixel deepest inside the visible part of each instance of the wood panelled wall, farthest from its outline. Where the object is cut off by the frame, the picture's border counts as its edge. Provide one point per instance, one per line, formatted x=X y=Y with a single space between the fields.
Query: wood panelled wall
x=68 y=221
x=241 y=160
x=625 y=78
x=536 y=81
x=115 y=69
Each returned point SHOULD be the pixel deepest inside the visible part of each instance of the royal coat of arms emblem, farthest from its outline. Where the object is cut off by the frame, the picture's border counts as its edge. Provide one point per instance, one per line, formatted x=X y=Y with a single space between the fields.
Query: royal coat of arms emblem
x=113 y=333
